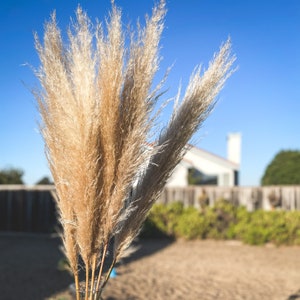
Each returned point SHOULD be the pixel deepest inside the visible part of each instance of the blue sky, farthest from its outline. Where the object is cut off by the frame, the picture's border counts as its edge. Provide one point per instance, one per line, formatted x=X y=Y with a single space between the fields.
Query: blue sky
x=261 y=100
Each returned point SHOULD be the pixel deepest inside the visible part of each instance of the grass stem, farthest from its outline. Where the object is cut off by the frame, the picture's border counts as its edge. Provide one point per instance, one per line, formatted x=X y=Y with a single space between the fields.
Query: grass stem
x=101 y=267
x=93 y=276
x=108 y=273
x=87 y=271
x=77 y=286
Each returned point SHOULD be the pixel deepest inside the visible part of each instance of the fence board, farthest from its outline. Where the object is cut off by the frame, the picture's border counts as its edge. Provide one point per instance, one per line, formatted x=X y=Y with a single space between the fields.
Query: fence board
x=32 y=209
x=27 y=209
x=253 y=198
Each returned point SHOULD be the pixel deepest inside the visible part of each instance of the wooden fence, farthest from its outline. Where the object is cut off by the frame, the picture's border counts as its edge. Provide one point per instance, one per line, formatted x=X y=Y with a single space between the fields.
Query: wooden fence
x=253 y=198
x=27 y=209
x=32 y=209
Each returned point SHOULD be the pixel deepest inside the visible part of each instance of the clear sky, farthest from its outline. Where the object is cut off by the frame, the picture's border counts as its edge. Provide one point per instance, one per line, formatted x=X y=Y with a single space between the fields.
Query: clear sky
x=261 y=100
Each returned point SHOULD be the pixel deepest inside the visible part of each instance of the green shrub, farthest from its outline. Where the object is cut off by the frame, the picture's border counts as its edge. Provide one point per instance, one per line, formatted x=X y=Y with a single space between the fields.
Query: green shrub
x=220 y=217
x=259 y=227
x=286 y=228
x=224 y=221
x=256 y=235
x=151 y=230
x=191 y=224
x=163 y=219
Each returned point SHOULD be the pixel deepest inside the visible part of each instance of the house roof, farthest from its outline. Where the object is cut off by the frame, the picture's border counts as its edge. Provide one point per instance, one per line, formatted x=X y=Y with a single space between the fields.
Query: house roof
x=212 y=157
x=207 y=155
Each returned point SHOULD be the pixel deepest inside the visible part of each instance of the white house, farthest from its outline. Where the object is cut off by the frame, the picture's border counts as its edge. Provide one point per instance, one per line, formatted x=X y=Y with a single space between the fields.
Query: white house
x=213 y=168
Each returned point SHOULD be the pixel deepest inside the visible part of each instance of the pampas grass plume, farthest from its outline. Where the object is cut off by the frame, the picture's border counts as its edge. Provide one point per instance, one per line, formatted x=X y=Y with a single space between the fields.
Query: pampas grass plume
x=96 y=104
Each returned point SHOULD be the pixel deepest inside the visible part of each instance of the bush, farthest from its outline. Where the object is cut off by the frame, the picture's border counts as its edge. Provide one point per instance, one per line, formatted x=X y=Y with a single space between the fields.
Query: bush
x=162 y=220
x=224 y=221
x=220 y=217
x=252 y=228
x=259 y=227
x=151 y=230
x=192 y=224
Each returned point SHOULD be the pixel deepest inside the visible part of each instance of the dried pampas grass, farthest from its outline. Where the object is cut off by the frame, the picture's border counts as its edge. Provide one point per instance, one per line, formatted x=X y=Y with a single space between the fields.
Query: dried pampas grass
x=95 y=102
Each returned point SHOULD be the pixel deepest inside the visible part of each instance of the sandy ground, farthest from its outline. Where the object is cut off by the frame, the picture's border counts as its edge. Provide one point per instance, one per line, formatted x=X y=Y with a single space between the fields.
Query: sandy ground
x=161 y=269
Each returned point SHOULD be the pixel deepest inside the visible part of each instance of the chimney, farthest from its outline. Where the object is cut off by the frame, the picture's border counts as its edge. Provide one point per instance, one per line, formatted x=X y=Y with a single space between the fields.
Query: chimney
x=234 y=147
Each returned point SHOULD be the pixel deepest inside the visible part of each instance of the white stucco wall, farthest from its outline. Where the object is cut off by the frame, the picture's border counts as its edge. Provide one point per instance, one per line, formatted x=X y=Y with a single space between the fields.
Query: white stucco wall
x=179 y=177
x=207 y=163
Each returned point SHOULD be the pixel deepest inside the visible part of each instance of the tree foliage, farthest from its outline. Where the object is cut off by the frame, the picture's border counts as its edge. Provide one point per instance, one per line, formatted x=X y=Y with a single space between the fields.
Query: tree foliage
x=284 y=169
x=11 y=176
x=44 y=181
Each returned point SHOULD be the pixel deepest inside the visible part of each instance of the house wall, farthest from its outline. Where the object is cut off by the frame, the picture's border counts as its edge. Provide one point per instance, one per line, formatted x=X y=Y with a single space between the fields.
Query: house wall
x=179 y=177
x=204 y=164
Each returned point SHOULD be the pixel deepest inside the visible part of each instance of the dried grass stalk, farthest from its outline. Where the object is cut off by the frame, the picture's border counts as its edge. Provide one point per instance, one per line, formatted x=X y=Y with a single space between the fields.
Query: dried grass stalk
x=95 y=102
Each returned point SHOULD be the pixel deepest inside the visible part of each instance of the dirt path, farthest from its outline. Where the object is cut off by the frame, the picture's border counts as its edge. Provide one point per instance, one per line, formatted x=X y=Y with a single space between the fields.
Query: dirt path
x=210 y=270
x=159 y=270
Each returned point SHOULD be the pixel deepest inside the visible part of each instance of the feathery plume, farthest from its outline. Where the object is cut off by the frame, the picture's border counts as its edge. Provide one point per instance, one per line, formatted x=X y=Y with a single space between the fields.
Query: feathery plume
x=96 y=104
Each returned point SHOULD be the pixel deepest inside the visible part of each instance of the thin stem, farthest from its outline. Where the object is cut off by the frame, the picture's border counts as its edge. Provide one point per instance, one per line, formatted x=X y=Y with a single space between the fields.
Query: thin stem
x=93 y=276
x=77 y=286
x=108 y=273
x=87 y=270
x=101 y=266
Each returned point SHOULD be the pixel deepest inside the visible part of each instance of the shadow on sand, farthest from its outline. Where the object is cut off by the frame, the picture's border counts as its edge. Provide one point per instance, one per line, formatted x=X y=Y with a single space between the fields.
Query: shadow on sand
x=147 y=246
x=28 y=265
x=294 y=296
